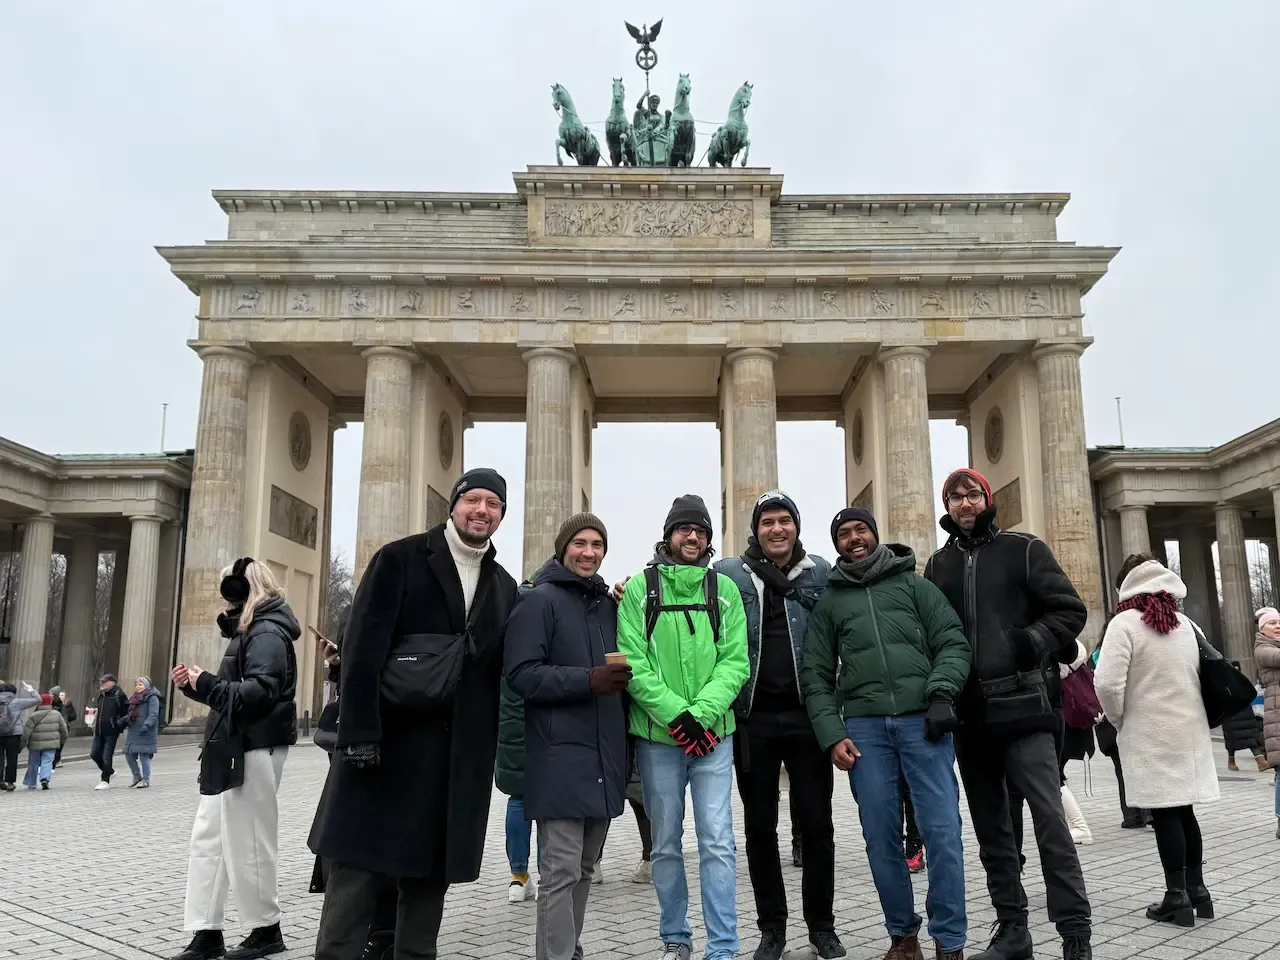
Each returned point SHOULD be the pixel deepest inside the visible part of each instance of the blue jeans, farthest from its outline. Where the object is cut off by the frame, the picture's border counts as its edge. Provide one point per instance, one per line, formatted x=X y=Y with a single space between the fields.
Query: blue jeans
x=139 y=765
x=892 y=748
x=41 y=760
x=519 y=836
x=665 y=773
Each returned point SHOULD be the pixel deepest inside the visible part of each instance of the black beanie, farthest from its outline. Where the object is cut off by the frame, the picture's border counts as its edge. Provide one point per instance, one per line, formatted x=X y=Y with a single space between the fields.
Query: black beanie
x=854 y=513
x=574 y=526
x=774 y=500
x=481 y=478
x=687 y=509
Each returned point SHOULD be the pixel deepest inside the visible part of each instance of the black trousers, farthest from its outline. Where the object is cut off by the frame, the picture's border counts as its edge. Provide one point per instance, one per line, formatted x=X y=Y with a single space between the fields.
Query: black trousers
x=102 y=752
x=911 y=842
x=990 y=769
x=1128 y=814
x=9 y=749
x=645 y=829
x=354 y=898
x=759 y=761
x=1178 y=838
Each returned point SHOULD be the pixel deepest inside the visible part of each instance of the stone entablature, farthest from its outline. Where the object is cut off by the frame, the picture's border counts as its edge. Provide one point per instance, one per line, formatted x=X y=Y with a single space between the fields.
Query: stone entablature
x=80 y=486
x=1146 y=477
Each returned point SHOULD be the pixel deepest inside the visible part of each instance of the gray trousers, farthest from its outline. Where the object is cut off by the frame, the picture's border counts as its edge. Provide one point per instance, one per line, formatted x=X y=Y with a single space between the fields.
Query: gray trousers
x=568 y=851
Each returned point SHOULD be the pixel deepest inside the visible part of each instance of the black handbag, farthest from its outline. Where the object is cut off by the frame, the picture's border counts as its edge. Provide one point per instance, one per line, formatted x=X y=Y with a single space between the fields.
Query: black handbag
x=1224 y=689
x=326 y=735
x=222 y=757
x=423 y=669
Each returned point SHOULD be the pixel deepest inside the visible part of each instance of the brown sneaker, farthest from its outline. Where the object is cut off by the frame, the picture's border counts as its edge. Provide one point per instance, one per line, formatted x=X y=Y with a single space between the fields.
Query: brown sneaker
x=941 y=954
x=905 y=948
x=1263 y=765
x=1232 y=765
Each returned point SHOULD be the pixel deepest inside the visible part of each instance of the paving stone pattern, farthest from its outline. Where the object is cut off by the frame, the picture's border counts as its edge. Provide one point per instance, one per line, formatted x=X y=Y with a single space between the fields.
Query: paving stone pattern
x=101 y=874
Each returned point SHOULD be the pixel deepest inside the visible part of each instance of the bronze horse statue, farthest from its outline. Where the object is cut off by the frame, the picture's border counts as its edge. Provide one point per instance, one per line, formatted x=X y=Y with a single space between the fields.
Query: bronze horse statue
x=618 y=133
x=577 y=141
x=684 y=138
x=732 y=135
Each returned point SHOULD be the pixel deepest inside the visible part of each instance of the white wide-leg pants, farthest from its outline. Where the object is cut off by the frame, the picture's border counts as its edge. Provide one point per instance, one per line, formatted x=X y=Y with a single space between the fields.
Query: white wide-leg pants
x=233 y=843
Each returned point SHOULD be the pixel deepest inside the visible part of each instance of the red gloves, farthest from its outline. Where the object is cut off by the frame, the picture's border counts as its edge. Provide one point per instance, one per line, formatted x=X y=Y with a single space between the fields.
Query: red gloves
x=691 y=736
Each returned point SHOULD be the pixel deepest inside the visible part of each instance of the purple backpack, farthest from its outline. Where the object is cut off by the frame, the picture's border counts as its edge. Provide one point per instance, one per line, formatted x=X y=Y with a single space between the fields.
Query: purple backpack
x=1080 y=706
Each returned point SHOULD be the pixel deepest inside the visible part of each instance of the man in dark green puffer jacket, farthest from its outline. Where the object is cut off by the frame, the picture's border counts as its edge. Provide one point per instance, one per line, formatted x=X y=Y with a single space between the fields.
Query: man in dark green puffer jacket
x=885 y=657
x=509 y=777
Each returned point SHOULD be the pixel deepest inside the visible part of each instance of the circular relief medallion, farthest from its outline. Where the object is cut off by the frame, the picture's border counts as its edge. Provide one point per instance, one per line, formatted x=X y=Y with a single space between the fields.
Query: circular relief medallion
x=445 y=440
x=859 y=437
x=299 y=440
x=586 y=438
x=993 y=435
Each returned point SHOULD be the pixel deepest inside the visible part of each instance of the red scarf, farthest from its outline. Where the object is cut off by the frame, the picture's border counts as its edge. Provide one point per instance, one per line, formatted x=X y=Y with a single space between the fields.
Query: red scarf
x=1159 y=610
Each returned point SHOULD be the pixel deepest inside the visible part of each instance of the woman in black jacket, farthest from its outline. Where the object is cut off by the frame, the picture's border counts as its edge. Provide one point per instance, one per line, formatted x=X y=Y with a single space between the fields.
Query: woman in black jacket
x=250 y=699
x=1242 y=730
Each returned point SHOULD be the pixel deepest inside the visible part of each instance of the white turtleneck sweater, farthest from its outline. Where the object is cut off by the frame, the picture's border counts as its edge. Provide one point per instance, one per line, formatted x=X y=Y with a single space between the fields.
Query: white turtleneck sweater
x=467 y=559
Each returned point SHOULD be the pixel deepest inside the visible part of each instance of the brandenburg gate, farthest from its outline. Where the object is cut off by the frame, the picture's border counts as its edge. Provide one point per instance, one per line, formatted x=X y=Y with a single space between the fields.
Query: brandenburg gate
x=591 y=294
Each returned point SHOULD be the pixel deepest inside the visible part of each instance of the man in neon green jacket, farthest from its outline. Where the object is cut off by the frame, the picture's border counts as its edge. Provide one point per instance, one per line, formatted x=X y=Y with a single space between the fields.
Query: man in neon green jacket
x=684 y=633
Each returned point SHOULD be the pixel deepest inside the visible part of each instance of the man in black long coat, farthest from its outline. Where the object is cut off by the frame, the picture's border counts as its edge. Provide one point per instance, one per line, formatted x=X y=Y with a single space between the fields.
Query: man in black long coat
x=408 y=796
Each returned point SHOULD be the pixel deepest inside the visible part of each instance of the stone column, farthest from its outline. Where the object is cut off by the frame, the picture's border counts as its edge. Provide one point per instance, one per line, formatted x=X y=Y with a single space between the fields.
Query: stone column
x=137 y=631
x=548 y=452
x=1198 y=579
x=115 y=613
x=383 y=512
x=1215 y=607
x=31 y=613
x=1068 y=498
x=76 y=671
x=1273 y=562
x=1237 y=611
x=753 y=405
x=910 y=464
x=1135 y=535
x=215 y=524
x=966 y=421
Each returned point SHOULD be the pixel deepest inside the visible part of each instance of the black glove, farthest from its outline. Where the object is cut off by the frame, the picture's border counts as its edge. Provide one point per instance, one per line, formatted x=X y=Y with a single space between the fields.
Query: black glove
x=610 y=678
x=361 y=755
x=1026 y=651
x=939 y=720
x=688 y=733
x=709 y=741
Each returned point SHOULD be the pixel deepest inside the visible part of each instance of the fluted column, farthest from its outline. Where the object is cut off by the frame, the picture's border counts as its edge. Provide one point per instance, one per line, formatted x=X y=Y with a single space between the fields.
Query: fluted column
x=1237 y=611
x=75 y=673
x=753 y=405
x=1275 y=501
x=911 y=516
x=383 y=513
x=1068 y=498
x=215 y=522
x=137 y=631
x=1215 y=606
x=31 y=613
x=1135 y=535
x=548 y=451
x=1198 y=579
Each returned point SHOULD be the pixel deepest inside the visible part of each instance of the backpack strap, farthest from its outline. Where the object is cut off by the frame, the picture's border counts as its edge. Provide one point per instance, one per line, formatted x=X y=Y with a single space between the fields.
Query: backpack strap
x=654 y=607
x=711 y=597
x=652 y=600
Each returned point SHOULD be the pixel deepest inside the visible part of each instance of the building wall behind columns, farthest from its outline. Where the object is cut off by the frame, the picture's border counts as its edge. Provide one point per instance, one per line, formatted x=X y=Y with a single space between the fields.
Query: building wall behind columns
x=274 y=397
x=582 y=434
x=166 y=619
x=867 y=396
x=1014 y=393
x=727 y=518
x=435 y=463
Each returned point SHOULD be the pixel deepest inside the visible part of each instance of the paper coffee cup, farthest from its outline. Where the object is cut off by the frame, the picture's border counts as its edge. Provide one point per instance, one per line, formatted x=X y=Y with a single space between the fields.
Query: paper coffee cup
x=612 y=658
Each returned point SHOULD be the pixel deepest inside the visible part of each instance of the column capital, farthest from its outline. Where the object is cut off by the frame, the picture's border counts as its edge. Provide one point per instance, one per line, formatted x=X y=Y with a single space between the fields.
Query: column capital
x=1132 y=508
x=750 y=353
x=1226 y=507
x=391 y=350
x=210 y=351
x=146 y=518
x=1074 y=347
x=899 y=351
x=551 y=353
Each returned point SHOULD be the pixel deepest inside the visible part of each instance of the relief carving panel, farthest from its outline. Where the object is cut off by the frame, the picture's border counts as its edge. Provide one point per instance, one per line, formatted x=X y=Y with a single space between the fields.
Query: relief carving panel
x=292 y=518
x=1008 y=501
x=650 y=218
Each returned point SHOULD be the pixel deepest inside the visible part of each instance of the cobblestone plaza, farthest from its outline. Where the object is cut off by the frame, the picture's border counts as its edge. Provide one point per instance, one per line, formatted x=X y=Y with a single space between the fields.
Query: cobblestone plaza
x=102 y=875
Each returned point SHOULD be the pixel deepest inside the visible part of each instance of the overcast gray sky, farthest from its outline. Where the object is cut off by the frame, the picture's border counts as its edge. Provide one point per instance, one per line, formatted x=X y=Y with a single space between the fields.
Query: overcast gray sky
x=119 y=118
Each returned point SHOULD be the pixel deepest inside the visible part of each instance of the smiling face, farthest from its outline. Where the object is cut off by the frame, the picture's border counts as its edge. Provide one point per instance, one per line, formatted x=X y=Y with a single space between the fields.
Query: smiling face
x=139 y=686
x=965 y=500
x=689 y=543
x=476 y=516
x=854 y=540
x=1271 y=629
x=777 y=535
x=585 y=553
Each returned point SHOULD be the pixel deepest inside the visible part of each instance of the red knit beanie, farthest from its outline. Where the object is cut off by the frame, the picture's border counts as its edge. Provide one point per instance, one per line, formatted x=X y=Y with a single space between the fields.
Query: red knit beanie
x=46 y=700
x=969 y=474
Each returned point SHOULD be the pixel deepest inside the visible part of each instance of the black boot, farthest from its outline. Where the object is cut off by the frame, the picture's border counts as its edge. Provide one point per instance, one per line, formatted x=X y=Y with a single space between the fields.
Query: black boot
x=261 y=942
x=1010 y=940
x=205 y=945
x=1176 y=905
x=1075 y=946
x=1198 y=893
x=773 y=944
x=381 y=946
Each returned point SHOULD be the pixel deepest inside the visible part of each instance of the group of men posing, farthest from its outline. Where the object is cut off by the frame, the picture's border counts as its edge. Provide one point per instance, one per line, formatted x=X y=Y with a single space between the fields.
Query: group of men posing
x=696 y=672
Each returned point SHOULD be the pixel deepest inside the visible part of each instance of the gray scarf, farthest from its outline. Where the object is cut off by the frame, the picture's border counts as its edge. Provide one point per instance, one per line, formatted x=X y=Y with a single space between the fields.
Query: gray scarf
x=662 y=558
x=869 y=569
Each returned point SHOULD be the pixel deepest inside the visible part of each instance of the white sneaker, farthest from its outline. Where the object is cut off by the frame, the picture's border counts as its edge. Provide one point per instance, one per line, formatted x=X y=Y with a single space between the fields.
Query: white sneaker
x=643 y=873
x=597 y=875
x=102 y=785
x=520 y=892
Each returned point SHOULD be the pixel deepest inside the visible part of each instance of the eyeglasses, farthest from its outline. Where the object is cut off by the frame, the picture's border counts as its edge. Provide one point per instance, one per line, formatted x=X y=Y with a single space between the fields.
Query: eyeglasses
x=692 y=529
x=975 y=497
x=475 y=500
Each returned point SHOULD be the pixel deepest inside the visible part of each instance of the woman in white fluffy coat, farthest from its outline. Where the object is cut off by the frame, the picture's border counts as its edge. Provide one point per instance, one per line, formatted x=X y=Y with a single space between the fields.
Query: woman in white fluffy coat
x=1148 y=682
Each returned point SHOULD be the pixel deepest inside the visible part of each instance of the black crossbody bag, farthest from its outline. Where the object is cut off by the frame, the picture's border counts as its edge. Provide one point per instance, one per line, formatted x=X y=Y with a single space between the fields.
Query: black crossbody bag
x=222 y=755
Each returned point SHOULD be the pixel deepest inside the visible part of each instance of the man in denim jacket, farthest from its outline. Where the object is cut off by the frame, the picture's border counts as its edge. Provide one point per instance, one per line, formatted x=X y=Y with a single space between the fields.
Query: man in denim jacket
x=780 y=584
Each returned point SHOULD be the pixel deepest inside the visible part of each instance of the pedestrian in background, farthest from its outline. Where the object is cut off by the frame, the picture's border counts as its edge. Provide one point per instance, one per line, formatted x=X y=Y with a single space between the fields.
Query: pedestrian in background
x=108 y=723
x=11 y=707
x=45 y=732
x=144 y=731
x=1266 y=654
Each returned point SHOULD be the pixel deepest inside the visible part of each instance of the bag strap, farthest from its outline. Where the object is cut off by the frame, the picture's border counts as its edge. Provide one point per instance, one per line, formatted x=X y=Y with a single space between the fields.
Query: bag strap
x=1207 y=650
